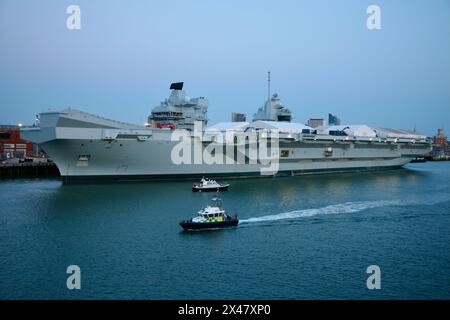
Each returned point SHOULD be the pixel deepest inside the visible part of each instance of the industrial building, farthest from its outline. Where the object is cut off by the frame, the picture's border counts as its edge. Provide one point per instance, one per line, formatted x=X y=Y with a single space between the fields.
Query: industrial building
x=238 y=117
x=315 y=122
x=11 y=145
x=333 y=120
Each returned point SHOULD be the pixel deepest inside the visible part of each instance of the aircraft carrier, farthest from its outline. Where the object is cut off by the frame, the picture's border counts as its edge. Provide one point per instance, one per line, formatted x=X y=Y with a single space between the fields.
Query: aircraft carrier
x=89 y=147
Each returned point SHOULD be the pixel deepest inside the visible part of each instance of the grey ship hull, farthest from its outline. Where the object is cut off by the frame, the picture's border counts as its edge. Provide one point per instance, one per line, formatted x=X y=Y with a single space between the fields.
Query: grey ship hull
x=191 y=177
x=90 y=148
x=131 y=161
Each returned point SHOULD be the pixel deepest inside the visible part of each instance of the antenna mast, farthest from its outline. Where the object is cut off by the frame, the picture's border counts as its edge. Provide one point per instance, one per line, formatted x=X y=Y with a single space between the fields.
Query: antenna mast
x=268 y=86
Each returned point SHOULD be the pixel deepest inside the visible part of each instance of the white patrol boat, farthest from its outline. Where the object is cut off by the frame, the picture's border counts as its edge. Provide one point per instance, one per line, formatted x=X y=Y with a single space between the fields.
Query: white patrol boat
x=211 y=217
x=209 y=185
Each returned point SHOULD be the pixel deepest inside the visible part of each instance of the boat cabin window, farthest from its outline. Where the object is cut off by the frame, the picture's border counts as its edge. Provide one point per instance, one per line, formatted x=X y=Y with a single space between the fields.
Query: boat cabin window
x=5 y=135
x=216 y=202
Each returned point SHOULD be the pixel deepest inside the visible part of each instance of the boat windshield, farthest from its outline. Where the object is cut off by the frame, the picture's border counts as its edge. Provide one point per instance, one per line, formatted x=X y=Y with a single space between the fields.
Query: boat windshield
x=216 y=202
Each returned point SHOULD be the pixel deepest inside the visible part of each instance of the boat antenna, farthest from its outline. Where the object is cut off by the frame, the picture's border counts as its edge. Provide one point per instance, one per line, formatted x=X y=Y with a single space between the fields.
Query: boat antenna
x=268 y=86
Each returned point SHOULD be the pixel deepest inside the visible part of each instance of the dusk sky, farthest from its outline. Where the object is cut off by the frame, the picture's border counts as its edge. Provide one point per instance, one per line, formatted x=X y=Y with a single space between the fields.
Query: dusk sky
x=321 y=54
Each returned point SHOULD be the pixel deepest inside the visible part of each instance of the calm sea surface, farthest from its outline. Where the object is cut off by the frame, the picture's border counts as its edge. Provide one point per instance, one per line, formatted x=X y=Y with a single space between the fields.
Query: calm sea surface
x=306 y=237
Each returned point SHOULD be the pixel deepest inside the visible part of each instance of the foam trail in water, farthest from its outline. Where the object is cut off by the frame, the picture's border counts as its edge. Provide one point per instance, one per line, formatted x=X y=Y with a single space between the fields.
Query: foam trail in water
x=347 y=207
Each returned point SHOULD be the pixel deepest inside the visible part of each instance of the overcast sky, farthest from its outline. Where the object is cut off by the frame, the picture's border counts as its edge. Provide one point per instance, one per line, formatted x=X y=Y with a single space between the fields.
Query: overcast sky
x=321 y=55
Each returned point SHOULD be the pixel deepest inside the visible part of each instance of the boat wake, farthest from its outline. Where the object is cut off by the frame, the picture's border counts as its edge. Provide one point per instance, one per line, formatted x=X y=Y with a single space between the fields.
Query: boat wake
x=347 y=207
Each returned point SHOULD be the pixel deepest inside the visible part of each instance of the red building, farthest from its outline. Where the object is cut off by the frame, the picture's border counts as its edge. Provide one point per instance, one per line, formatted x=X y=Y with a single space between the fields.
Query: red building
x=440 y=140
x=11 y=145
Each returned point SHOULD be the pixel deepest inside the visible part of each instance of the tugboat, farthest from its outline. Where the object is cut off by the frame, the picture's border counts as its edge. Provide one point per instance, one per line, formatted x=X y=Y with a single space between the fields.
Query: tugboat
x=209 y=185
x=210 y=218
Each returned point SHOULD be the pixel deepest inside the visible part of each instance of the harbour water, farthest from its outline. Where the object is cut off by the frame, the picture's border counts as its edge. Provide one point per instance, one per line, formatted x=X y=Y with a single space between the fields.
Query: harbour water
x=304 y=237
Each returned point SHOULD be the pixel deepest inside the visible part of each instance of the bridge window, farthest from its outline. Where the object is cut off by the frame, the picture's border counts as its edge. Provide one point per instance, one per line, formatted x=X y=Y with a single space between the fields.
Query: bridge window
x=5 y=135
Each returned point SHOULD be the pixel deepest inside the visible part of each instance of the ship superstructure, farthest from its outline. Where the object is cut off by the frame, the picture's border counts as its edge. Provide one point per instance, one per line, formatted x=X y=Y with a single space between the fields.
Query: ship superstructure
x=89 y=147
x=273 y=110
x=179 y=111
